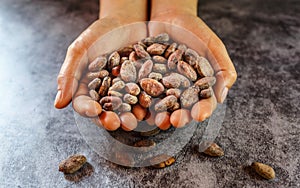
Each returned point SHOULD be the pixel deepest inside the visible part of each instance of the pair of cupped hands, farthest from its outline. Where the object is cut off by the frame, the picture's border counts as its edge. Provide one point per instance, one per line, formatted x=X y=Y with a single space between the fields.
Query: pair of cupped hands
x=120 y=25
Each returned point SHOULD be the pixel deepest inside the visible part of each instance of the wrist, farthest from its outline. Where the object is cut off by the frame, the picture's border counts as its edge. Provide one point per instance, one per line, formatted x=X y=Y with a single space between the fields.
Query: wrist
x=187 y=7
x=124 y=10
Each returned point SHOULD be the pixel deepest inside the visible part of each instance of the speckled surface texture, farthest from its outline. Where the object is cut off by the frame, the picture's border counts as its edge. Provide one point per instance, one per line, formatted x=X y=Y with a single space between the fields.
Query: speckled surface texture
x=262 y=118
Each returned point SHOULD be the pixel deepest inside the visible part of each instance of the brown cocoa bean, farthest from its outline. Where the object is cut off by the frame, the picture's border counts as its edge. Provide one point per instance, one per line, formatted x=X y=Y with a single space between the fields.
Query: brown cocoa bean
x=98 y=64
x=206 y=93
x=162 y=38
x=263 y=170
x=160 y=68
x=124 y=107
x=72 y=164
x=174 y=91
x=141 y=52
x=145 y=69
x=214 y=150
x=124 y=52
x=156 y=49
x=100 y=74
x=159 y=59
x=94 y=95
x=132 y=89
x=116 y=71
x=171 y=81
x=151 y=87
x=155 y=76
x=130 y=99
x=165 y=104
x=145 y=100
x=191 y=57
x=95 y=84
x=203 y=67
x=170 y=50
x=118 y=86
x=128 y=71
x=115 y=93
x=110 y=103
x=205 y=82
x=115 y=80
x=187 y=70
x=104 y=86
x=189 y=97
x=182 y=48
x=113 y=60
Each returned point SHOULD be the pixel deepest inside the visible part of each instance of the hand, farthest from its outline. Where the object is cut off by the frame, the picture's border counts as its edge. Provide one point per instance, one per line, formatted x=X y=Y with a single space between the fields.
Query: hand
x=183 y=25
x=91 y=44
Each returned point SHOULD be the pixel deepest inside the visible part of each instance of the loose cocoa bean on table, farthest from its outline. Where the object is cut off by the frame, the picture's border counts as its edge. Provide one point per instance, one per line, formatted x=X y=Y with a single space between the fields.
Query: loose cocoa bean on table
x=153 y=75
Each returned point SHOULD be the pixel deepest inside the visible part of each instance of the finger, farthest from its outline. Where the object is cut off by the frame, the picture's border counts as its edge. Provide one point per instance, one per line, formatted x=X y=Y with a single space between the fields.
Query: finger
x=224 y=69
x=83 y=104
x=204 y=108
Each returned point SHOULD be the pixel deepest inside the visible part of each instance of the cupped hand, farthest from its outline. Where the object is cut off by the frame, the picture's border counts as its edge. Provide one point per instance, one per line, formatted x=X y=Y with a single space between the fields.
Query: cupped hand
x=103 y=36
x=191 y=30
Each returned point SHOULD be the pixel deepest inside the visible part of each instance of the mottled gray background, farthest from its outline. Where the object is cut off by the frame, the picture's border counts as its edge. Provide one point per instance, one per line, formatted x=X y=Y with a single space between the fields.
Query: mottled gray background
x=262 y=119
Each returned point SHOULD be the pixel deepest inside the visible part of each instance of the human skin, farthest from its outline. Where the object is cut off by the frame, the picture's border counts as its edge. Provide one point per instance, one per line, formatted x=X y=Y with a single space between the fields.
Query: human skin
x=179 y=19
x=113 y=14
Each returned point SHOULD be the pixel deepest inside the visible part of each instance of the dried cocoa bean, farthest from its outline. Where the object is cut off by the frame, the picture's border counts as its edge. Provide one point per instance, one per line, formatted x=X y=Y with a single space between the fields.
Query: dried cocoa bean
x=72 y=164
x=132 y=89
x=128 y=71
x=165 y=104
x=206 y=93
x=94 y=95
x=203 y=67
x=124 y=107
x=174 y=91
x=187 y=70
x=118 y=86
x=98 y=64
x=170 y=50
x=160 y=68
x=155 y=76
x=130 y=99
x=174 y=58
x=263 y=170
x=100 y=74
x=145 y=69
x=115 y=80
x=156 y=49
x=104 y=86
x=205 y=82
x=110 y=103
x=189 y=97
x=191 y=57
x=151 y=87
x=214 y=150
x=115 y=93
x=171 y=81
x=141 y=52
x=159 y=59
x=116 y=70
x=95 y=84
x=113 y=60
x=124 y=52
x=145 y=100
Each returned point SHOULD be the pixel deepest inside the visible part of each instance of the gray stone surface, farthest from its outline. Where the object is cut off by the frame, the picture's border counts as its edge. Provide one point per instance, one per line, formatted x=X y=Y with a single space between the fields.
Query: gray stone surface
x=262 y=119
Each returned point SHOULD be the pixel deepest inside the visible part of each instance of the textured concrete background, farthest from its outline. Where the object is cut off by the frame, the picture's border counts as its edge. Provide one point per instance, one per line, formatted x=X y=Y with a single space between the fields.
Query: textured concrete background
x=262 y=119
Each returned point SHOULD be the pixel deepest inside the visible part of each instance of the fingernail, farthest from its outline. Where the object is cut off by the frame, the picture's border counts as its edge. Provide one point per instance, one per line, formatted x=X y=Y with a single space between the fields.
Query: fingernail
x=57 y=98
x=224 y=94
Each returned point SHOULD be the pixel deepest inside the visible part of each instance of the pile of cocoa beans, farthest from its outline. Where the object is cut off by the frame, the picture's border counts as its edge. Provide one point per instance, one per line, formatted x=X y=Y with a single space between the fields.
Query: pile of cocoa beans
x=154 y=80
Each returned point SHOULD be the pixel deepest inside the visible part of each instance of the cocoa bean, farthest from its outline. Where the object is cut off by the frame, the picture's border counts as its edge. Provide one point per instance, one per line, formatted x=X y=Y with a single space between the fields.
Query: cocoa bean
x=141 y=52
x=118 y=86
x=187 y=70
x=145 y=100
x=113 y=60
x=145 y=69
x=110 y=103
x=95 y=84
x=174 y=58
x=128 y=71
x=156 y=49
x=100 y=74
x=151 y=87
x=205 y=82
x=104 y=86
x=174 y=91
x=170 y=50
x=98 y=64
x=72 y=164
x=191 y=57
x=155 y=76
x=159 y=59
x=132 y=89
x=115 y=93
x=203 y=67
x=165 y=104
x=94 y=95
x=124 y=52
x=124 y=107
x=189 y=97
x=130 y=99
x=160 y=68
